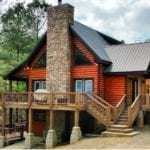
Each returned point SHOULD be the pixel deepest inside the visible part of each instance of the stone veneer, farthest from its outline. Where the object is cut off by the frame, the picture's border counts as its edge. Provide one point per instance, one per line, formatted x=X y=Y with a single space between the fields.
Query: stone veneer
x=59 y=48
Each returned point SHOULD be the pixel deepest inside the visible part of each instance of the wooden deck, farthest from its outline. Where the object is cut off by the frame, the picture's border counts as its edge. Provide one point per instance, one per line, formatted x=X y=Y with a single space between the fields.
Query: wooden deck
x=104 y=112
x=56 y=101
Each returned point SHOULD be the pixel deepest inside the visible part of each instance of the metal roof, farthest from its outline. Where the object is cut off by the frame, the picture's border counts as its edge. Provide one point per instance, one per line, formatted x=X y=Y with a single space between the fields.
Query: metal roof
x=93 y=39
x=129 y=58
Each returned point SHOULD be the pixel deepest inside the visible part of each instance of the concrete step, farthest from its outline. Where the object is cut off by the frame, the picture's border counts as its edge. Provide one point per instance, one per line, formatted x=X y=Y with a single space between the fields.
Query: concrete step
x=128 y=130
x=119 y=126
x=117 y=134
x=122 y=123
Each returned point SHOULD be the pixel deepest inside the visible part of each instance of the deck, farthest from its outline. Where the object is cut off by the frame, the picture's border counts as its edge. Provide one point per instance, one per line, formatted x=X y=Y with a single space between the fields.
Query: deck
x=55 y=101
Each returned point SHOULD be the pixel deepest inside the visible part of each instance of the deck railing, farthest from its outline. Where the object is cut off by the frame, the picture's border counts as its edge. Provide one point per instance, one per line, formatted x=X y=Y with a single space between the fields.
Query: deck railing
x=100 y=110
x=119 y=108
x=49 y=99
x=108 y=105
x=15 y=97
x=133 y=110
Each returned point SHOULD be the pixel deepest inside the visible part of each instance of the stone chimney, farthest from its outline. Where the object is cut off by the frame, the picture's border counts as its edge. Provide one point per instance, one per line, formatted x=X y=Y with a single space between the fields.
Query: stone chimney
x=58 y=71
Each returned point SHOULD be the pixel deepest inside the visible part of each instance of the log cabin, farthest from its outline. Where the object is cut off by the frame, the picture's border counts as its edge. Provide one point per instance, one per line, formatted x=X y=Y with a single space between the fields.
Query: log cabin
x=79 y=81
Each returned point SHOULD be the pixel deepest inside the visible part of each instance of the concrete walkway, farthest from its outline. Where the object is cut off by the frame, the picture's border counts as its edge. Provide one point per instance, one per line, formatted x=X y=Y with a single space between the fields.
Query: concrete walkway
x=141 y=141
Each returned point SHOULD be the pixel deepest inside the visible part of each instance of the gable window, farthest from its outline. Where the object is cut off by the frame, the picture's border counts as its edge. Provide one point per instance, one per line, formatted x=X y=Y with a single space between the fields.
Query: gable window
x=42 y=62
x=79 y=58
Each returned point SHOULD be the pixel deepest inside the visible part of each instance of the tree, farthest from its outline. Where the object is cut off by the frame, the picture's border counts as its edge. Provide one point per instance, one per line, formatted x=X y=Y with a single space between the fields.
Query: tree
x=21 y=26
x=20 y=29
x=38 y=10
x=17 y=29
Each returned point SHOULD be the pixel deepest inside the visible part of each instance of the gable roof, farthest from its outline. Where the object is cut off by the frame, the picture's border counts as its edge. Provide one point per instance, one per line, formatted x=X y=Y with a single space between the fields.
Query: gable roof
x=28 y=60
x=129 y=58
x=96 y=41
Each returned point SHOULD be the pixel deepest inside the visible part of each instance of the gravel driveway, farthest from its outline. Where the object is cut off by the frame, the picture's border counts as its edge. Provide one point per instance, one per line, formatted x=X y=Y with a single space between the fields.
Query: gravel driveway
x=141 y=141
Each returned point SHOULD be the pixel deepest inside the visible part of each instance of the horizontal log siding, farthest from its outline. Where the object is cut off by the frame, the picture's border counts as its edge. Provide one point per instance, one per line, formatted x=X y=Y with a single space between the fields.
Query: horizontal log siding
x=38 y=74
x=101 y=81
x=32 y=73
x=115 y=88
x=94 y=71
x=84 y=72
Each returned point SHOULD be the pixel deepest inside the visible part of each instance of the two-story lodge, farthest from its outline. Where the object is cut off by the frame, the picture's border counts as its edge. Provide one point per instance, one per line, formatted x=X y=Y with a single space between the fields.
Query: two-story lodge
x=90 y=79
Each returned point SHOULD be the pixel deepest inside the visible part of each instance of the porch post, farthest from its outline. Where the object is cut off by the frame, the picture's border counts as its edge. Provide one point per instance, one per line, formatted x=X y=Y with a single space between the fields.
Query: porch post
x=76 y=118
x=51 y=139
x=76 y=131
x=51 y=119
x=2 y=137
x=29 y=139
x=30 y=121
x=10 y=109
x=140 y=119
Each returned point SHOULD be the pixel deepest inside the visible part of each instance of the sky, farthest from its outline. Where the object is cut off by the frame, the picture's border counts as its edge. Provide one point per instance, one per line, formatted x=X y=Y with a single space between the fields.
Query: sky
x=127 y=20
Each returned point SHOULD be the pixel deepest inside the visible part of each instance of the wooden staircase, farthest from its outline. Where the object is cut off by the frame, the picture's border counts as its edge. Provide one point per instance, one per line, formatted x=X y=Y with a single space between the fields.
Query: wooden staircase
x=120 y=128
x=117 y=119
x=99 y=109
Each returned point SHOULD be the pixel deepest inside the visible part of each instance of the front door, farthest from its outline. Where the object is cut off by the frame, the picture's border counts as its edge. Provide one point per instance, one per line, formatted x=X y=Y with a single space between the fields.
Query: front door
x=84 y=85
x=134 y=89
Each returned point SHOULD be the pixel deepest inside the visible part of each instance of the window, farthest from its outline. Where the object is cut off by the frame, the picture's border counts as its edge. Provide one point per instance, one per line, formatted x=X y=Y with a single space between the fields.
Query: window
x=84 y=85
x=42 y=62
x=80 y=58
x=39 y=116
x=39 y=84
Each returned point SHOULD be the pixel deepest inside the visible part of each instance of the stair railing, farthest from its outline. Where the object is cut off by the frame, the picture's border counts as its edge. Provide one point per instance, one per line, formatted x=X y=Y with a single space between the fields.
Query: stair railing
x=102 y=109
x=133 y=110
x=112 y=108
x=119 y=108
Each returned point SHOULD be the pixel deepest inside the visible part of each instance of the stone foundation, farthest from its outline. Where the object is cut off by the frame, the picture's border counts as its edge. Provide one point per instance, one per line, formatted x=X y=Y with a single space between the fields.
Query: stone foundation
x=29 y=140
x=51 y=139
x=140 y=119
x=2 y=141
x=76 y=135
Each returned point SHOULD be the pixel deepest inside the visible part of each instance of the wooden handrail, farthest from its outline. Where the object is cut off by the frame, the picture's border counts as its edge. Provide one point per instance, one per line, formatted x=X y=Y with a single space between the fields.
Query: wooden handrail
x=94 y=100
x=119 y=108
x=133 y=110
x=112 y=109
x=102 y=100
x=104 y=112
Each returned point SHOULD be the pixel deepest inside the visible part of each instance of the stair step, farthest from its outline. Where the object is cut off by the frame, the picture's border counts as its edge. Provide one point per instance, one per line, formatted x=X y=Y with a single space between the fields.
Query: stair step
x=119 y=126
x=123 y=119
x=124 y=115
x=117 y=134
x=128 y=130
x=122 y=123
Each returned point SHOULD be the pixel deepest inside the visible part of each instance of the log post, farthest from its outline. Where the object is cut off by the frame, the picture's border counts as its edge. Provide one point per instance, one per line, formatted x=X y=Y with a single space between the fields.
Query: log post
x=76 y=131
x=29 y=139
x=108 y=116
x=51 y=119
x=30 y=121
x=76 y=118
x=129 y=116
x=51 y=139
x=3 y=120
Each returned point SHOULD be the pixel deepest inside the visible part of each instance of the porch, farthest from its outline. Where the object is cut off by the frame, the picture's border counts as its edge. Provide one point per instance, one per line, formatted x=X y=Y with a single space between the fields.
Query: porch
x=97 y=107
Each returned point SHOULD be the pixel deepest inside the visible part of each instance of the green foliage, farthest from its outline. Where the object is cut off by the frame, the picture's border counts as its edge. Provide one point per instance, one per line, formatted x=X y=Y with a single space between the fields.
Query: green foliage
x=21 y=26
